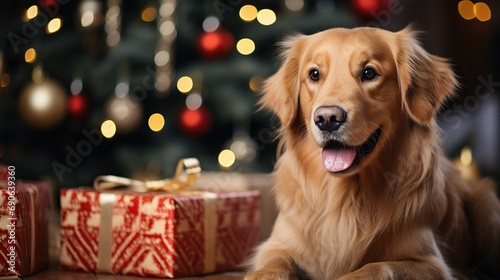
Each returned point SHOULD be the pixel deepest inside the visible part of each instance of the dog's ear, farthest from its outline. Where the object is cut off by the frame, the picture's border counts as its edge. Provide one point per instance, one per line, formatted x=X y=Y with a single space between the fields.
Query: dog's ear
x=425 y=80
x=281 y=90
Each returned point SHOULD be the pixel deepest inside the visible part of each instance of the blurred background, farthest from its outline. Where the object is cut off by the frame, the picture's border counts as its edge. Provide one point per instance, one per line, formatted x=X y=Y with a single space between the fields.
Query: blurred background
x=93 y=87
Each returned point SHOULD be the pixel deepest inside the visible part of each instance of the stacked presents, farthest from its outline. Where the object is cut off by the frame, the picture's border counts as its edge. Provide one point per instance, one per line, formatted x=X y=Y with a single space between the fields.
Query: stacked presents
x=162 y=228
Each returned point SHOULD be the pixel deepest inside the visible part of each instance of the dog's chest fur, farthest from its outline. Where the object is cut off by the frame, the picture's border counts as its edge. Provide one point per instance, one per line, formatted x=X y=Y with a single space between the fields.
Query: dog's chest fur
x=332 y=225
x=341 y=226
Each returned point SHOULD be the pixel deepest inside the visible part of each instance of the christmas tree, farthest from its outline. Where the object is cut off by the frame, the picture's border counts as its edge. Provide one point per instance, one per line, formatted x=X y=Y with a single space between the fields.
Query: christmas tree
x=93 y=87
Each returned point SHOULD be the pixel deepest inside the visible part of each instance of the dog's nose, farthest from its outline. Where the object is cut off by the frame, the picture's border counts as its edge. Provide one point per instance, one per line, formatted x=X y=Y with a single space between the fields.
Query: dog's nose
x=329 y=118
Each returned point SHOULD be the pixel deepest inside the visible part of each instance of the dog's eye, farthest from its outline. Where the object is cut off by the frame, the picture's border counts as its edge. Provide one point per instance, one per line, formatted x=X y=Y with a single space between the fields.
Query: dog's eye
x=368 y=74
x=314 y=75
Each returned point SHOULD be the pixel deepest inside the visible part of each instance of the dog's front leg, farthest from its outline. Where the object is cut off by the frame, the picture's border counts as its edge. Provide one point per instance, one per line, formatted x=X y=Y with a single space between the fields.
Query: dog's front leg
x=276 y=258
x=427 y=268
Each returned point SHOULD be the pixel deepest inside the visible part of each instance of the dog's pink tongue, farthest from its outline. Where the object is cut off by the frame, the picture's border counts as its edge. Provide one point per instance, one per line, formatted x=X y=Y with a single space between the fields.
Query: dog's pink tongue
x=335 y=160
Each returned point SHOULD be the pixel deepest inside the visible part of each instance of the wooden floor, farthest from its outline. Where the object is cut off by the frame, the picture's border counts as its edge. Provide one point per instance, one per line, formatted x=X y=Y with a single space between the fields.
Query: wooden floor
x=54 y=273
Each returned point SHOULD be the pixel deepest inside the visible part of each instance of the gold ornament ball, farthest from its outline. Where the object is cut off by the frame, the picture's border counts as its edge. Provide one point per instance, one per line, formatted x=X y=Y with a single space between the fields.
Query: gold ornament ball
x=125 y=112
x=43 y=105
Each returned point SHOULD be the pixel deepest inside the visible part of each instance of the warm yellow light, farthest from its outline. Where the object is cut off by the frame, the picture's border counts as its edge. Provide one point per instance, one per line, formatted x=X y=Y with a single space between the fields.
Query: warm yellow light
x=255 y=83
x=30 y=55
x=245 y=46
x=226 y=158
x=32 y=12
x=482 y=11
x=185 y=84
x=248 y=13
x=266 y=17
x=108 y=128
x=148 y=14
x=54 y=25
x=156 y=122
x=4 y=80
x=466 y=9
x=466 y=156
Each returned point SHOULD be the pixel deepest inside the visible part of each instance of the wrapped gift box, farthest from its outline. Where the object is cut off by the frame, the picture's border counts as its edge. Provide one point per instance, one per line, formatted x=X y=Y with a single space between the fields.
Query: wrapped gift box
x=24 y=225
x=4 y=172
x=158 y=234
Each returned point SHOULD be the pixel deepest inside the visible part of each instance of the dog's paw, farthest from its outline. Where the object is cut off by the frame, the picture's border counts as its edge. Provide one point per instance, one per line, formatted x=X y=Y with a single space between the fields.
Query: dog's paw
x=270 y=275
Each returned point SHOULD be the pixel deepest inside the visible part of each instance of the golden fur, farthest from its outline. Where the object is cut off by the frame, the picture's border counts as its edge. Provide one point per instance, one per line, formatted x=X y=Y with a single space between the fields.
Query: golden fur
x=403 y=212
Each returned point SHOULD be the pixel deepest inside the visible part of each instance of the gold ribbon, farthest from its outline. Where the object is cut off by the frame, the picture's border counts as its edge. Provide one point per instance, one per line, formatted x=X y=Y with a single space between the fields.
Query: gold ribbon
x=187 y=172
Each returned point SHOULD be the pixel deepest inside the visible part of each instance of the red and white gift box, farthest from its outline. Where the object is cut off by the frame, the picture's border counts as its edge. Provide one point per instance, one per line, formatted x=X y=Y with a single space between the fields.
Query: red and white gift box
x=24 y=225
x=158 y=234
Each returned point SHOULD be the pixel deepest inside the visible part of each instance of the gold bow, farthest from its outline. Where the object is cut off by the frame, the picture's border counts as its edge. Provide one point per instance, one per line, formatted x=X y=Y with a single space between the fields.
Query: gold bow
x=187 y=172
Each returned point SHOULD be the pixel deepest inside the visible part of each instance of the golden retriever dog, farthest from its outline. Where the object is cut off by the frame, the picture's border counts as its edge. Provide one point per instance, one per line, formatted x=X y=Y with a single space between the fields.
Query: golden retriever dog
x=362 y=186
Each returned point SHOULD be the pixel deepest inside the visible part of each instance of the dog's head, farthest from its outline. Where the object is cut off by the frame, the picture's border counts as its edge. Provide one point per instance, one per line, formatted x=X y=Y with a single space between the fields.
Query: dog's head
x=353 y=90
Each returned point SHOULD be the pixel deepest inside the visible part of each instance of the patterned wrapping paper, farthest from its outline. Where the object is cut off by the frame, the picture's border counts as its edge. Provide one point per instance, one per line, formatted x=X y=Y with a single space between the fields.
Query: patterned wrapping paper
x=4 y=172
x=158 y=235
x=30 y=218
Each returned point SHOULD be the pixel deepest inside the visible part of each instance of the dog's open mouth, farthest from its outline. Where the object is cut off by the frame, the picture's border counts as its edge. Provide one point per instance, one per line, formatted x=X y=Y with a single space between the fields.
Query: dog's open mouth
x=338 y=157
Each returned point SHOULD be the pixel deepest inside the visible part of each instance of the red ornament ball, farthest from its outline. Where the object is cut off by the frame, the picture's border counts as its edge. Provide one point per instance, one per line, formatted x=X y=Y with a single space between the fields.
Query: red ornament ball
x=78 y=106
x=49 y=2
x=216 y=44
x=196 y=122
x=368 y=8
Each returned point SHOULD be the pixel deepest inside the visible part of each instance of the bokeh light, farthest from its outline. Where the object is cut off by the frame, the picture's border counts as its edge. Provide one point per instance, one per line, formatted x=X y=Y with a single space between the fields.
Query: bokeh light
x=54 y=25
x=226 y=158
x=245 y=46
x=90 y=13
x=156 y=122
x=108 y=129
x=191 y=118
x=87 y=19
x=148 y=14
x=167 y=28
x=113 y=38
x=368 y=6
x=122 y=89
x=248 y=13
x=4 y=80
x=185 y=84
x=482 y=11
x=210 y=24
x=162 y=58
x=466 y=9
x=76 y=86
x=32 y=12
x=466 y=156
x=294 y=5
x=167 y=9
x=194 y=101
x=255 y=83
x=266 y=17
x=30 y=55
